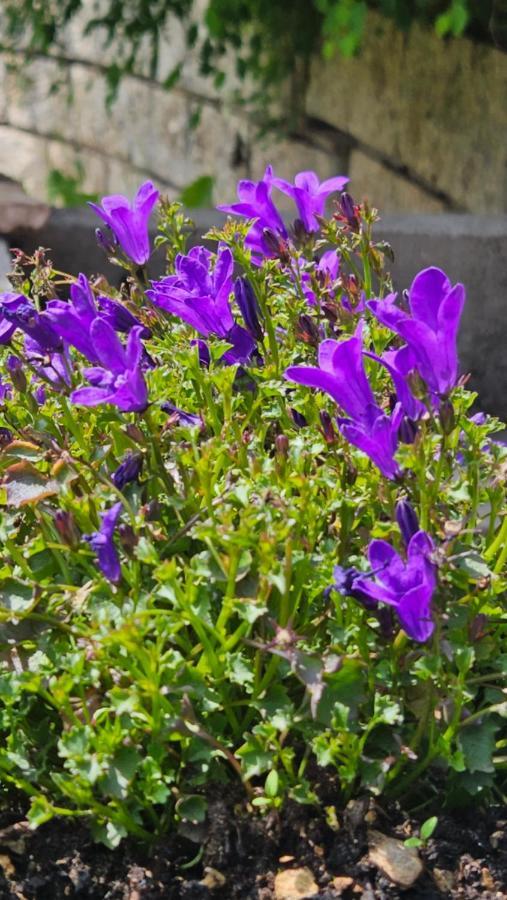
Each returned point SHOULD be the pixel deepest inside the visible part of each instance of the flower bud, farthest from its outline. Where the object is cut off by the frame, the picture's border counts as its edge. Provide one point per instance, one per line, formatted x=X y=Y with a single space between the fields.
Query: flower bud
x=447 y=417
x=6 y=437
x=327 y=427
x=17 y=376
x=276 y=244
x=40 y=394
x=307 y=330
x=298 y=418
x=106 y=240
x=417 y=385
x=203 y=353
x=128 y=538
x=67 y=529
x=135 y=433
x=407 y=431
x=407 y=520
x=249 y=308
x=128 y=470
x=348 y=211
x=282 y=445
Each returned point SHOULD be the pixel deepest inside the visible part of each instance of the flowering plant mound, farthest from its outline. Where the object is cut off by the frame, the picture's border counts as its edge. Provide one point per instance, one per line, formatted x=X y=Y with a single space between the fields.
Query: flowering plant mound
x=251 y=527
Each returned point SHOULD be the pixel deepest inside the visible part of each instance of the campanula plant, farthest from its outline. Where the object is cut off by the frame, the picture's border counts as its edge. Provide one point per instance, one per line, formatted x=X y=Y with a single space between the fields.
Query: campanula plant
x=254 y=530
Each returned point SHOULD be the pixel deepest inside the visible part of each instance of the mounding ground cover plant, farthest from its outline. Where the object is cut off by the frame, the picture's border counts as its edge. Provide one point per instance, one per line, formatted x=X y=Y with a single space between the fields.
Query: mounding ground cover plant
x=252 y=528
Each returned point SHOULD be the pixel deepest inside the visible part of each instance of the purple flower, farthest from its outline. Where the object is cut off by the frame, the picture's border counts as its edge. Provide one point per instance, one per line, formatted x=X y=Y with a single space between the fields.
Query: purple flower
x=73 y=319
x=7 y=327
x=199 y=294
x=400 y=363
x=309 y=195
x=249 y=307
x=14 y=367
x=341 y=374
x=120 y=318
x=255 y=203
x=129 y=222
x=20 y=313
x=39 y=393
x=102 y=542
x=54 y=368
x=128 y=470
x=326 y=272
x=431 y=327
x=181 y=417
x=406 y=585
x=119 y=379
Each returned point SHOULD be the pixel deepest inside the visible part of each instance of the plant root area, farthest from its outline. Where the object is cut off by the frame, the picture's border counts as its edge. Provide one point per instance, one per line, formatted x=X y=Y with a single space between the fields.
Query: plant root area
x=301 y=852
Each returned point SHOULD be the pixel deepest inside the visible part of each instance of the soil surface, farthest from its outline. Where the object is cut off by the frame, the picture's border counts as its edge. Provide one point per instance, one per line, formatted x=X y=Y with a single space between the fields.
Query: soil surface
x=240 y=856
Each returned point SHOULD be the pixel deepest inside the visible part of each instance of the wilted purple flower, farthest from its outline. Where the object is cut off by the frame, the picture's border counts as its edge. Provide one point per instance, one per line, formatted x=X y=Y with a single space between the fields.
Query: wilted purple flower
x=341 y=374
x=5 y=390
x=180 y=416
x=249 y=307
x=129 y=222
x=431 y=328
x=407 y=520
x=14 y=367
x=102 y=542
x=21 y=313
x=128 y=470
x=309 y=195
x=406 y=585
x=119 y=379
x=255 y=203
x=199 y=294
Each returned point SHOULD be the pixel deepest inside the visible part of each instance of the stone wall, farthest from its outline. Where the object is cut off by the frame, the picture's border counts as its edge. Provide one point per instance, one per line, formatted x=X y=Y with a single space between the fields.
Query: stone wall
x=420 y=124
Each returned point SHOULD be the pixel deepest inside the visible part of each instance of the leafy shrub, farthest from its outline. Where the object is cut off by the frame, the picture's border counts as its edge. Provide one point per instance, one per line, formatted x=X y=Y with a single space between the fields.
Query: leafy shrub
x=251 y=530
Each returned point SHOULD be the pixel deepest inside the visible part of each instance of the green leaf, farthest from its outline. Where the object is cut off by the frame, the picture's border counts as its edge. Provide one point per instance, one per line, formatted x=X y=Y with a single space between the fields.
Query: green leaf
x=199 y=193
x=478 y=744
x=271 y=784
x=428 y=827
x=192 y=808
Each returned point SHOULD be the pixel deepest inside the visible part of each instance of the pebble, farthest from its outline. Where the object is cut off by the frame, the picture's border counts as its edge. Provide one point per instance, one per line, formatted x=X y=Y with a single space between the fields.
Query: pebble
x=295 y=884
x=401 y=864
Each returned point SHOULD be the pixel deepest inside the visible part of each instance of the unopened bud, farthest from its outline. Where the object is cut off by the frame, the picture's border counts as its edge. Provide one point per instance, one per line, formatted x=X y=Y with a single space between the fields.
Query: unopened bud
x=327 y=427
x=106 y=240
x=407 y=431
x=417 y=385
x=135 y=433
x=307 y=330
x=298 y=418
x=276 y=244
x=447 y=417
x=67 y=529
x=282 y=445
x=5 y=437
x=128 y=538
x=15 y=370
x=407 y=520
x=249 y=308
x=348 y=211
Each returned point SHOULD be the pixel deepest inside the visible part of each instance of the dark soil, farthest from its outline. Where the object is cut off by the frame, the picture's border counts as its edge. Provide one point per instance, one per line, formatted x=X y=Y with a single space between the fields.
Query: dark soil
x=242 y=853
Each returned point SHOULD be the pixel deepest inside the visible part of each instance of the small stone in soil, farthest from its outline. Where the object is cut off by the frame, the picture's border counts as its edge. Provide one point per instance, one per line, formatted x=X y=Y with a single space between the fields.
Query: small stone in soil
x=295 y=884
x=342 y=883
x=401 y=864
